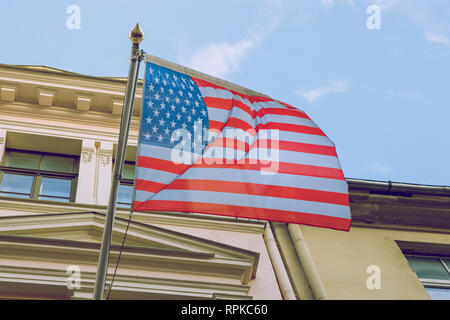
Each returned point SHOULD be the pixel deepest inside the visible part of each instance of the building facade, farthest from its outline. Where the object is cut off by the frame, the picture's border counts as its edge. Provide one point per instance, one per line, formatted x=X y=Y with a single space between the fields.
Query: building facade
x=58 y=134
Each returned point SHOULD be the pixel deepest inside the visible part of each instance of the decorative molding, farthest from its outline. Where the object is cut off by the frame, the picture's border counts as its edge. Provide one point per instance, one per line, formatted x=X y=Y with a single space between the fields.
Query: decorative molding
x=83 y=102
x=116 y=106
x=45 y=97
x=105 y=157
x=8 y=93
x=87 y=155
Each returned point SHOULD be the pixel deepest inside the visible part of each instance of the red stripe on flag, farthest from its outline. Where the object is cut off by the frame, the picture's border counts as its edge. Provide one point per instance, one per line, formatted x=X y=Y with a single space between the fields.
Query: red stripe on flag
x=272 y=166
x=163 y=165
x=316 y=220
x=259 y=190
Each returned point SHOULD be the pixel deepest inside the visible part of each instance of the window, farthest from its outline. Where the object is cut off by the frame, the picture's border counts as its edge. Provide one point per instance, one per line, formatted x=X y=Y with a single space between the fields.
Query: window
x=434 y=273
x=41 y=176
x=125 y=194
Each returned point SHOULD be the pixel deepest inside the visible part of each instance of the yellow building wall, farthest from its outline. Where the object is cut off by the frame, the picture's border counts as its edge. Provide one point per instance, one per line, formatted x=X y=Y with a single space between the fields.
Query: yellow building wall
x=342 y=259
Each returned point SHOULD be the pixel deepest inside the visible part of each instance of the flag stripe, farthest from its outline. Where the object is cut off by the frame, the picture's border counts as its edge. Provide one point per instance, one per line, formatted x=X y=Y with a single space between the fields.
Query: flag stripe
x=239 y=199
x=247 y=188
x=246 y=212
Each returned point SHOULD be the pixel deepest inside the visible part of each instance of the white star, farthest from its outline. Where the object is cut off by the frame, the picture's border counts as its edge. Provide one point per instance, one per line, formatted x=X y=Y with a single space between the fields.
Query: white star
x=203 y=112
x=151 y=87
x=175 y=77
x=171 y=91
x=155 y=129
x=162 y=89
x=163 y=106
x=190 y=95
x=177 y=100
x=174 y=84
x=162 y=122
x=183 y=86
x=183 y=109
x=172 y=124
x=189 y=118
x=164 y=82
x=167 y=131
x=193 y=111
x=148 y=120
x=180 y=92
x=151 y=70
x=150 y=104
x=156 y=112
x=167 y=99
x=178 y=116
x=168 y=114
x=187 y=102
x=147 y=136
x=172 y=107
x=191 y=88
x=196 y=103
x=160 y=138
x=157 y=96
x=184 y=80
x=156 y=80
x=184 y=125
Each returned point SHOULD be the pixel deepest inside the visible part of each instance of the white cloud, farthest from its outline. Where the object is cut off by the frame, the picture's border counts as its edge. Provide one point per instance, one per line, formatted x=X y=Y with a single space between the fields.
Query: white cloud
x=312 y=95
x=224 y=58
x=437 y=38
x=378 y=167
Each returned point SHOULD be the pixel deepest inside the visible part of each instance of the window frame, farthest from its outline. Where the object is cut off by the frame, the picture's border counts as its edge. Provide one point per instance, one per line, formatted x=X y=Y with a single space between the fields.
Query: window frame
x=431 y=282
x=38 y=174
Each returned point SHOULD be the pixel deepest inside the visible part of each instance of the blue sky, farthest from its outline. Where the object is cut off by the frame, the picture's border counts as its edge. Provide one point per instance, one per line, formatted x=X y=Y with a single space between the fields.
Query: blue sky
x=381 y=95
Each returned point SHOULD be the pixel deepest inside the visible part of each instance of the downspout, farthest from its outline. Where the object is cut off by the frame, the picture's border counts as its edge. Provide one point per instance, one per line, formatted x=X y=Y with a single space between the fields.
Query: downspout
x=280 y=271
x=307 y=262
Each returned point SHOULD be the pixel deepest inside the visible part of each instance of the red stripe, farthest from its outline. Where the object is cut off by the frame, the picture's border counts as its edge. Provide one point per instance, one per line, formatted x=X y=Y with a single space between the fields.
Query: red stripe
x=299 y=147
x=148 y=186
x=218 y=103
x=254 y=189
x=316 y=220
x=163 y=165
x=243 y=164
x=243 y=125
x=273 y=166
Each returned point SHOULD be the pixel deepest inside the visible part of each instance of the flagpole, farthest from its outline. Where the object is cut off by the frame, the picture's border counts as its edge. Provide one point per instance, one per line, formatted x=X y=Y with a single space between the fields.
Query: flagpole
x=136 y=36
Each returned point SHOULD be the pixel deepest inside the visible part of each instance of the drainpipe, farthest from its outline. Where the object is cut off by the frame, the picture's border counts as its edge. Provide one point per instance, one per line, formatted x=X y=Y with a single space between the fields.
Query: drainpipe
x=307 y=262
x=280 y=271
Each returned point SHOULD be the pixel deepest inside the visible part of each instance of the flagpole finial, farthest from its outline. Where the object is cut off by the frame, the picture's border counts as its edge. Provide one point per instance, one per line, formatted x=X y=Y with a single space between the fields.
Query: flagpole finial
x=136 y=35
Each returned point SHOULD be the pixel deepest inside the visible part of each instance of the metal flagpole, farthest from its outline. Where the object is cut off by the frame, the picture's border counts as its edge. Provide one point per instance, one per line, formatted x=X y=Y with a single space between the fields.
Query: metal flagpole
x=136 y=36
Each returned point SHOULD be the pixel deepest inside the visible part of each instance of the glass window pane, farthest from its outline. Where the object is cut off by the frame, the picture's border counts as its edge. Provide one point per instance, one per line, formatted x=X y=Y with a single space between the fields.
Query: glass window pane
x=16 y=183
x=128 y=171
x=439 y=293
x=55 y=187
x=428 y=268
x=125 y=194
x=15 y=195
x=23 y=160
x=57 y=164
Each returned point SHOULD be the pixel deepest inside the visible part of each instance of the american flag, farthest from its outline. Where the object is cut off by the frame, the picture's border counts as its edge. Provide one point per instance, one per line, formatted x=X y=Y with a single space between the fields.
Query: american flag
x=205 y=148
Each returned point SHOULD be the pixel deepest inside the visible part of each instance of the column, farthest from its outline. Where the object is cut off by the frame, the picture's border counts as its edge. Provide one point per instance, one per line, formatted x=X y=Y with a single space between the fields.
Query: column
x=104 y=172
x=86 y=187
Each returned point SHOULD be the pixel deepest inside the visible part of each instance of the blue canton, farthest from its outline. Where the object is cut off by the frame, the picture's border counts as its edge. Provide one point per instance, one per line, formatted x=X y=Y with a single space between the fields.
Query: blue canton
x=172 y=101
